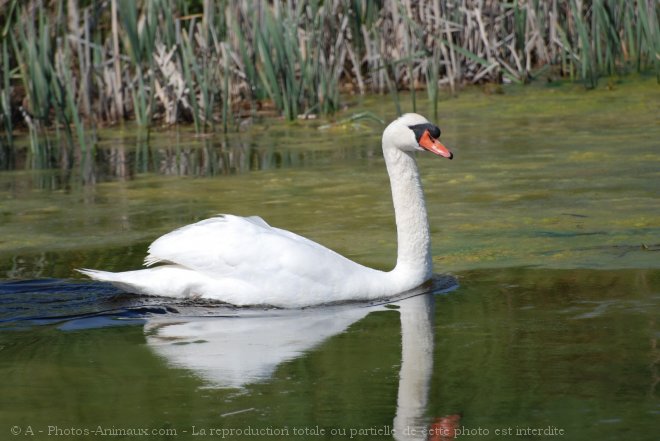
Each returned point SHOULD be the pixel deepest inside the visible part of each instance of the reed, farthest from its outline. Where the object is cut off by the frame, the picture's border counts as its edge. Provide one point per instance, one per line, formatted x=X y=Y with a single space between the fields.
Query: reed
x=139 y=43
x=76 y=64
x=5 y=90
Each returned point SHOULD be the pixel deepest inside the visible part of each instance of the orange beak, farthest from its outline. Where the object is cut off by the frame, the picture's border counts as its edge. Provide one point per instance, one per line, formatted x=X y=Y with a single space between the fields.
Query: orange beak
x=431 y=144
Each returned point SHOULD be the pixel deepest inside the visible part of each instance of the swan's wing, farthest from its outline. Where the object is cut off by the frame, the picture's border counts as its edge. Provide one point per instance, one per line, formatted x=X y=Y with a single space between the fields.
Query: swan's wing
x=231 y=246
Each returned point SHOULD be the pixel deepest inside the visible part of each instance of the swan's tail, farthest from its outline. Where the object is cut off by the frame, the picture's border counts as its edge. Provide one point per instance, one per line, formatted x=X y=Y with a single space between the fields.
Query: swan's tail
x=104 y=276
x=163 y=281
x=117 y=279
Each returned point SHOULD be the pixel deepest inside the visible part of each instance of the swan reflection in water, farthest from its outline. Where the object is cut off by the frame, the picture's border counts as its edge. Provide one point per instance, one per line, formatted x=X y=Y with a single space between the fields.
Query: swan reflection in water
x=240 y=347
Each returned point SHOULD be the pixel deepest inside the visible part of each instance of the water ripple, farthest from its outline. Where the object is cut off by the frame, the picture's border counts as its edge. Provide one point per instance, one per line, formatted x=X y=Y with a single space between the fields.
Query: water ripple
x=74 y=305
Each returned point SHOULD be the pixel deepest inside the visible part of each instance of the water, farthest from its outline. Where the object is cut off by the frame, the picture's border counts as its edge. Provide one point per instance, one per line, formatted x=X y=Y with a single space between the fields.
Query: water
x=548 y=217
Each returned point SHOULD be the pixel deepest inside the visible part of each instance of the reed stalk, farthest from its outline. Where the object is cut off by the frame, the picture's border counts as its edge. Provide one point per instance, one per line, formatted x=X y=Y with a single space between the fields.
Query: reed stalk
x=5 y=96
x=115 y=88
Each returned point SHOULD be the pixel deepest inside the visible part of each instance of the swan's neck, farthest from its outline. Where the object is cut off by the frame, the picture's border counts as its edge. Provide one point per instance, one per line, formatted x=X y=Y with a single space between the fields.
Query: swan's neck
x=414 y=240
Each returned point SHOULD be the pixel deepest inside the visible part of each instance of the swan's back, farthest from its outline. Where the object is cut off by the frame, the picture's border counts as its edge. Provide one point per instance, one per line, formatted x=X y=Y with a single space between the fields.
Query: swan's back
x=246 y=261
x=223 y=245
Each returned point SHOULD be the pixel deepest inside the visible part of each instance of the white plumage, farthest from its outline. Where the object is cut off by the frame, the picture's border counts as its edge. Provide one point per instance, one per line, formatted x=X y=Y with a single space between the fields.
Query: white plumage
x=245 y=261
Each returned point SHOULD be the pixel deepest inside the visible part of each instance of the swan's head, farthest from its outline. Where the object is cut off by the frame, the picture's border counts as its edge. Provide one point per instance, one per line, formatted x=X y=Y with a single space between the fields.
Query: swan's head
x=412 y=132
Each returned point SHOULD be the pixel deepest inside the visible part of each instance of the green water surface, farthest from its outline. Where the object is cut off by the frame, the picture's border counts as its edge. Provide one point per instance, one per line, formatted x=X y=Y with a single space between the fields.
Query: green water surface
x=548 y=216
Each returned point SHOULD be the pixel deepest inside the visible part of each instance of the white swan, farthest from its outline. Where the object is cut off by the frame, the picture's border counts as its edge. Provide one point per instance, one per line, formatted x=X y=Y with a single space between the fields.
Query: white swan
x=245 y=261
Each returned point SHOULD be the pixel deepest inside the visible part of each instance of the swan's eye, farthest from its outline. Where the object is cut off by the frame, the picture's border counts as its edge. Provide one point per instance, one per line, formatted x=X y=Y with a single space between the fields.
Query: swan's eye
x=419 y=130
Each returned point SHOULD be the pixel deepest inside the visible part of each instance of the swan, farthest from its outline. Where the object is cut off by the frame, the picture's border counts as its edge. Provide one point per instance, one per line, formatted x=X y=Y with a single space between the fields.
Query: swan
x=244 y=261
